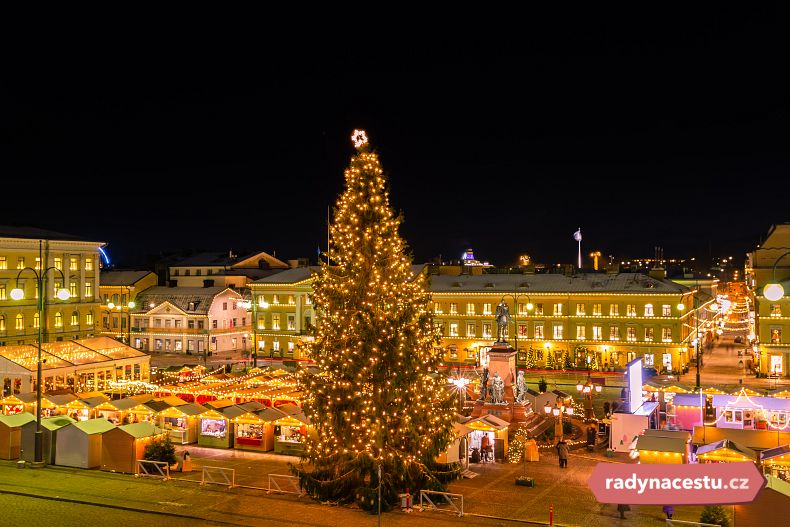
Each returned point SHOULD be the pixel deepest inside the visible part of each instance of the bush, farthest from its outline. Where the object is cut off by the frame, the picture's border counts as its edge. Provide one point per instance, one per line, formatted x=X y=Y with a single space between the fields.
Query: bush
x=161 y=449
x=715 y=514
x=542 y=385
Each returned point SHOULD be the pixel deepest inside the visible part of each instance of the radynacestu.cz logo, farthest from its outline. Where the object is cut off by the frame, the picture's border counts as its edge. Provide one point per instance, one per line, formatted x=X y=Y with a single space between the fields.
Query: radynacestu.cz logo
x=692 y=484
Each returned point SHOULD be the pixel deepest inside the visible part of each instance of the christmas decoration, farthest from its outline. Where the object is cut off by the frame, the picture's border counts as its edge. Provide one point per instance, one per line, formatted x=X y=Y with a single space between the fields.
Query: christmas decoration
x=530 y=358
x=551 y=363
x=566 y=361
x=378 y=398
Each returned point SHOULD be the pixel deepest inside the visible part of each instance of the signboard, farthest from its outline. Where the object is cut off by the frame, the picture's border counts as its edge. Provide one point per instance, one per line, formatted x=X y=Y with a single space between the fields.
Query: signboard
x=634 y=372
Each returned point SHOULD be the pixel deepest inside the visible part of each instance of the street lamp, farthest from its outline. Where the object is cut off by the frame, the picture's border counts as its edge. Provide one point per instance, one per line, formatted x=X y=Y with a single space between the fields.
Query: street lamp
x=263 y=304
x=18 y=294
x=587 y=389
x=515 y=297
x=460 y=384
x=120 y=307
x=773 y=290
x=695 y=342
x=558 y=410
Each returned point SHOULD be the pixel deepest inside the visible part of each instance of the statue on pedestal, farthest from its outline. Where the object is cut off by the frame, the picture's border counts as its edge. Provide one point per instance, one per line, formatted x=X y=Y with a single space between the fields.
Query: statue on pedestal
x=483 y=385
x=521 y=388
x=502 y=320
x=497 y=389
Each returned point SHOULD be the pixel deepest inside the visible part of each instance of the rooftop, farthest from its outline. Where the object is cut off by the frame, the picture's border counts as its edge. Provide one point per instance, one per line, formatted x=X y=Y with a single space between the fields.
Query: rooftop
x=191 y=299
x=34 y=233
x=117 y=278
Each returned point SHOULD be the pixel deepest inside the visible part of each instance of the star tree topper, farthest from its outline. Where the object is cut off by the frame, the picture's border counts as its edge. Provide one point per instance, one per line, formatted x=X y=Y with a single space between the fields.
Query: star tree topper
x=359 y=138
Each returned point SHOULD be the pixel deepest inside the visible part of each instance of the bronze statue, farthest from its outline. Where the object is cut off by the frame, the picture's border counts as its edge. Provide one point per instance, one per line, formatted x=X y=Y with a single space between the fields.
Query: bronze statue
x=497 y=389
x=502 y=320
x=521 y=388
x=483 y=385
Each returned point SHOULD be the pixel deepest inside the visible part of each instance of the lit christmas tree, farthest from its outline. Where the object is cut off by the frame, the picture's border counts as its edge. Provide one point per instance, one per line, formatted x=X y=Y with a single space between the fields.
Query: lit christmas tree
x=530 y=358
x=551 y=364
x=567 y=364
x=378 y=398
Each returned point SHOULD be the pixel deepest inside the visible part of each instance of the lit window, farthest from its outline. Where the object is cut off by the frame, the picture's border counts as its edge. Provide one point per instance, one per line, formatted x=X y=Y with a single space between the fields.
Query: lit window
x=648 y=310
x=439 y=328
x=648 y=334
x=558 y=330
x=290 y=347
x=38 y=263
x=275 y=299
x=453 y=307
x=580 y=310
x=538 y=331
x=291 y=322
x=276 y=345
x=539 y=309
x=261 y=322
x=2 y=292
x=73 y=289
x=649 y=359
x=614 y=310
x=597 y=310
x=522 y=330
x=89 y=264
x=437 y=307
x=261 y=301
x=20 y=262
x=3 y=262
x=58 y=263
x=470 y=329
x=597 y=332
x=453 y=329
x=666 y=334
x=36 y=320
x=2 y=322
x=487 y=329
x=73 y=263
x=614 y=333
x=776 y=336
x=631 y=310
x=666 y=311
x=275 y=321
x=88 y=290
x=308 y=301
x=20 y=322
x=58 y=319
x=557 y=309
x=470 y=309
x=630 y=334
x=487 y=309
x=291 y=300
x=776 y=309
x=89 y=319
x=75 y=318
x=581 y=332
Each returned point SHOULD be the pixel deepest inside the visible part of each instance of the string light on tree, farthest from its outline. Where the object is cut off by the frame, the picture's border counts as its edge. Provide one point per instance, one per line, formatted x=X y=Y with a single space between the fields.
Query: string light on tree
x=359 y=138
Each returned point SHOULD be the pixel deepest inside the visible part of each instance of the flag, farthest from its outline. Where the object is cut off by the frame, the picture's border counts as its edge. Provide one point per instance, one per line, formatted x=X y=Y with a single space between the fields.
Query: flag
x=578 y=235
x=318 y=250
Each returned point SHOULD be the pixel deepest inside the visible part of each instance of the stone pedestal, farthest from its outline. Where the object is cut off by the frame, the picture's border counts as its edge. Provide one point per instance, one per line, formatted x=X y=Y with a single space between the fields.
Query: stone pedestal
x=502 y=360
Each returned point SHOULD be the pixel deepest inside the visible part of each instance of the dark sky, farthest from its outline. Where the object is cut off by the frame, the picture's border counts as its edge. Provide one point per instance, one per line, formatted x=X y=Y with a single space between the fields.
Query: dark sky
x=647 y=130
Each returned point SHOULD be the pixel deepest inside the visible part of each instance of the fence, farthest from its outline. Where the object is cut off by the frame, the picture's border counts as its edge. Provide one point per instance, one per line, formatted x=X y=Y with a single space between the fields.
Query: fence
x=284 y=484
x=218 y=476
x=437 y=505
x=157 y=469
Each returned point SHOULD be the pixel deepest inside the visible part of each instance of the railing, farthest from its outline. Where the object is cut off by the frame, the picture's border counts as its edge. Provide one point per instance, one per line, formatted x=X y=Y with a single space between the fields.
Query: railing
x=218 y=476
x=156 y=469
x=448 y=499
x=290 y=484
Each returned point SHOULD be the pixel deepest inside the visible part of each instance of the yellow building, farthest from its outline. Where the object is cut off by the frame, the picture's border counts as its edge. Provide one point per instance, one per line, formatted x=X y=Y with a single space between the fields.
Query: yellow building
x=571 y=321
x=770 y=263
x=71 y=263
x=118 y=291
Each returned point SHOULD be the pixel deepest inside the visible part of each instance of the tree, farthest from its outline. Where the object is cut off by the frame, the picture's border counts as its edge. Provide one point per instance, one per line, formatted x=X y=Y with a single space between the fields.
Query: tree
x=715 y=514
x=566 y=361
x=378 y=397
x=161 y=449
x=530 y=358
x=551 y=364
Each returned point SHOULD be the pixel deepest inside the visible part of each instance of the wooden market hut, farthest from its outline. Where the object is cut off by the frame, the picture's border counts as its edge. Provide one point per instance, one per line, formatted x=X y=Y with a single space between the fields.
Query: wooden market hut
x=254 y=430
x=116 y=410
x=662 y=450
x=80 y=444
x=687 y=411
x=122 y=446
x=181 y=422
x=11 y=433
x=49 y=430
x=495 y=428
x=214 y=429
x=725 y=451
x=12 y=405
x=776 y=460
x=458 y=450
x=290 y=431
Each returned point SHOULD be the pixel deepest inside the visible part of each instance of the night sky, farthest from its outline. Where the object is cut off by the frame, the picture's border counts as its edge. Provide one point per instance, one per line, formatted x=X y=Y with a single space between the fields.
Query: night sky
x=667 y=130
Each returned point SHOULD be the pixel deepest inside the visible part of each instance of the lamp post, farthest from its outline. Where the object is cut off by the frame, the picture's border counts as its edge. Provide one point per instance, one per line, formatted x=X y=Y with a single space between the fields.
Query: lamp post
x=120 y=307
x=587 y=389
x=695 y=342
x=558 y=410
x=19 y=294
x=515 y=297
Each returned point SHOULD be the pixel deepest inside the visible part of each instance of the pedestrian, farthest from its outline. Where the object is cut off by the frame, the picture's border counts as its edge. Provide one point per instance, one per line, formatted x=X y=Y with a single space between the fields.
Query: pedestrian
x=562 y=453
x=622 y=509
x=669 y=510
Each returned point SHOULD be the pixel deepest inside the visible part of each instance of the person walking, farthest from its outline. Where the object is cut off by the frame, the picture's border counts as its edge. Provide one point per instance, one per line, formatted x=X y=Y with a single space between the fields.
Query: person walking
x=669 y=510
x=562 y=453
x=622 y=510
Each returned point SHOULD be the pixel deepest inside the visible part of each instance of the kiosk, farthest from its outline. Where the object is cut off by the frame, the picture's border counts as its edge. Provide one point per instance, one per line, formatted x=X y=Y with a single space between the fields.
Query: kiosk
x=11 y=433
x=49 y=429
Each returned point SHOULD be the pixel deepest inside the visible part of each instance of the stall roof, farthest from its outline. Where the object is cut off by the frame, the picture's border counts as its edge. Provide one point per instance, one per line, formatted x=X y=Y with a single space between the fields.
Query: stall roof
x=726 y=444
x=191 y=409
x=661 y=444
x=231 y=412
x=172 y=400
x=674 y=434
x=61 y=399
x=253 y=406
x=461 y=430
x=94 y=426
x=779 y=451
x=157 y=405
x=487 y=421
x=271 y=414
x=93 y=402
x=129 y=402
x=26 y=356
x=74 y=353
x=14 y=420
x=743 y=401
x=140 y=430
x=688 y=399
x=220 y=403
x=56 y=422
x=111 y=348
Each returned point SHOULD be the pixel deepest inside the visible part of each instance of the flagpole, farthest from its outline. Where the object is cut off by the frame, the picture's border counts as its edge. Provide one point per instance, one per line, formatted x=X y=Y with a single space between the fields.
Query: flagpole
x=579 y=239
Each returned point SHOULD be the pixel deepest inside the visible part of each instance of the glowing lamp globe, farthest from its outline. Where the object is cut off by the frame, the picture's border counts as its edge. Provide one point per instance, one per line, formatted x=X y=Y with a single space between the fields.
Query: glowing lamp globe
x=63 y=294
x=771 y=291
x=579 y=387
x=681 y=307
x=547 y=409
x=110 y=305
x=132 y=305
x=556 y=412
x=529 y=306
x=569 y=410
x=598 y=388
x=17 y=294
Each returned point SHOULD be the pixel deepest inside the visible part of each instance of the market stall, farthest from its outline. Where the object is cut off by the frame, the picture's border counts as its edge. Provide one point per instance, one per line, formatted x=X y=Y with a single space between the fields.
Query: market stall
x=686 y=411
x=49 y=430
x=11 y=433
x=725 y=451
x=118 y=410
x=214 y=429
x=627 y=427
x=776 y=461
x=664 y=447
x=752 y=413
x=12 y=405
x=458 y=451
x=124 y=445
x=181 y=422
x=255 y=430
x=80 y=444
x=491 y=430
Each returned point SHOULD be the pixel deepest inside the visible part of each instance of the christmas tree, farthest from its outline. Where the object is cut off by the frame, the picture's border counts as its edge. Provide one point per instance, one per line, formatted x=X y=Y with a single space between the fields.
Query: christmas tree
x=566 y=361
x=378 y=398
x=550 y=362
x=530 y=358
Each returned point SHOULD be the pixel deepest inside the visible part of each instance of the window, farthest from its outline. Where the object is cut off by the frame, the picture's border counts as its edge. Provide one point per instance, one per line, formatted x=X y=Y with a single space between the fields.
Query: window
x=3 y=262
x=72 y=263
x=88 y=290
x=631 y=310
x=666 y=334
x=581 y=332
x=538 y=309
x=308 y=301
x=38 y=263
x=667 y=361
x=89 y=319
x=89 y=266
x=36 y=320
x=522 y=330
x=2 y=292
x=666 y=311
x=261 y=322
x=190 y=345
x=291 y=321
x=558 y=330
x=614 y=333
x=650 y=359
x=487 y=329
x=20 y=262
x=470 y=329
x=776 y=309
x=276 y=345
x=597 y=333
x=275 y=299
x=201 y=325
x=437 y=307
x=58 y=263
x=2 y=322
x=198 y=272
x=648 y=334
x=73 y=289
x=177 y=323
x=157 y=322
x=75 y=318
x=224 y=306
x=648 y=310
x=453 y=329
x=179 y=345
x=439 y=328
x=58 y=319
x=291 y=300
x=522 y=309
x=557 y=310
x=167 y=322
x=596 y=310
x=58 y=287
x=470 y=309
x=20 y=322
x=614 y=310
x=233 y=342
x=261 y=301
x=538 y=331
x=158 y=344
x=290 y=347
x=453 y=307
x=776 y=335
x=580 y=310
x=630 y=334
x=214 y=324
x=275 y=321
x=487 y=310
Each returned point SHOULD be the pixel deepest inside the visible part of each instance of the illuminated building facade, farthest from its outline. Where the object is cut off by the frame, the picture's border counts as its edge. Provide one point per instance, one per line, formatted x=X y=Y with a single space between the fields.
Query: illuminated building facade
x=771 y=317
x=223 y=269
x=190 y=320
x=76 y=258
x=118 y=291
